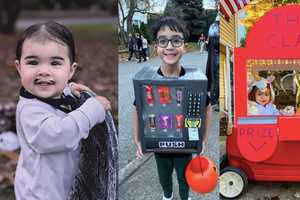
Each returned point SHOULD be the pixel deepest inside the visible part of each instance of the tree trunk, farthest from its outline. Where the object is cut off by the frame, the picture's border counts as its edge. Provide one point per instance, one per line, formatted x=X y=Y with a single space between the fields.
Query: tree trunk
x=122 y=35
x=121 y=24
x=132 y=6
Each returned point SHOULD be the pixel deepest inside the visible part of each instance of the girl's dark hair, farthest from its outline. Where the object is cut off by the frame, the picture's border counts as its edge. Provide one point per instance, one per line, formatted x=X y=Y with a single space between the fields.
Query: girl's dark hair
x=48 y=31
x=251 y=95
x=171 y=22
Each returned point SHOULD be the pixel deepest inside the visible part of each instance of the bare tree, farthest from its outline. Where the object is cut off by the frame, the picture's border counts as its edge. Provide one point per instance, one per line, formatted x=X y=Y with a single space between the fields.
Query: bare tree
x=132 y=6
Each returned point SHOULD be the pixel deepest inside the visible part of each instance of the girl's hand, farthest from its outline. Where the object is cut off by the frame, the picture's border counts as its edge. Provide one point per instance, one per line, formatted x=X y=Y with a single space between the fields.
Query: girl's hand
x=76 y=88
x=104 y=101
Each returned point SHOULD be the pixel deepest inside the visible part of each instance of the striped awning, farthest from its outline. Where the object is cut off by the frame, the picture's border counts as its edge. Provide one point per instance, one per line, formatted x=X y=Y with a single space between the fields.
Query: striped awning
x=230 y=7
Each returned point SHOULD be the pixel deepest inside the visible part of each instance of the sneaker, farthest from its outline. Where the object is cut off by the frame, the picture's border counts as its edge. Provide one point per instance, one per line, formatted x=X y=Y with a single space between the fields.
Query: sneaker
x=165 y=198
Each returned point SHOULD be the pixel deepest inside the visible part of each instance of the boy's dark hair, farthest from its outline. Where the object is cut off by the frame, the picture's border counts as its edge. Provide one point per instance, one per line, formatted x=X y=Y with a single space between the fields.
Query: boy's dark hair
x=48 y=31
x=173 y=23
x=251 y=95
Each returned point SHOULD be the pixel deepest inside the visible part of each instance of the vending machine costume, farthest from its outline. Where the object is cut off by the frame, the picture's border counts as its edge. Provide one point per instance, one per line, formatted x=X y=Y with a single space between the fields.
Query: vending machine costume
x=265 y=147
x=171 y=110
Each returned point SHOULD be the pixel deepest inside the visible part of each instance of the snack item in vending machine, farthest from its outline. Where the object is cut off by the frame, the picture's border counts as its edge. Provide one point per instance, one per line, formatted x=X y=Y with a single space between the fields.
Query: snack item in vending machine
x=165 y=121
x=164 y=95
x=179 y=121
x=149 y=95
x=178 y=96
x=151 y=120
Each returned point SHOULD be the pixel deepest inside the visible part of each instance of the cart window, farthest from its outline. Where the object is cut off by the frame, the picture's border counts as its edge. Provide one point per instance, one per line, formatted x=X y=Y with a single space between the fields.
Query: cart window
x=273 y=87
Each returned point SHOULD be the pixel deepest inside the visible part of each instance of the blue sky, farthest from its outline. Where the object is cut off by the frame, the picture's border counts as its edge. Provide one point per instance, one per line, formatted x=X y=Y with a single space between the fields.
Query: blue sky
x=207 y=4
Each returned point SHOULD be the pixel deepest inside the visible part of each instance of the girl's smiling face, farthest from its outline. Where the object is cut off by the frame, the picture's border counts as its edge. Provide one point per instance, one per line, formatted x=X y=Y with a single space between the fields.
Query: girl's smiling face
x=263 y=97
x=45 y=67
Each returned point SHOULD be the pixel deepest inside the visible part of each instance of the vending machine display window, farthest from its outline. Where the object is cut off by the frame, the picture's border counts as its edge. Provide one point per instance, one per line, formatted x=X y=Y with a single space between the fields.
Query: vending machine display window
x=171 y=111
x=163 y=117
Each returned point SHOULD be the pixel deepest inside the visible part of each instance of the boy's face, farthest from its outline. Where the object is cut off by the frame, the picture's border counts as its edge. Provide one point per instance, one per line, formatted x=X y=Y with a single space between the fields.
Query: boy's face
x=171 y=53
x=45 y=68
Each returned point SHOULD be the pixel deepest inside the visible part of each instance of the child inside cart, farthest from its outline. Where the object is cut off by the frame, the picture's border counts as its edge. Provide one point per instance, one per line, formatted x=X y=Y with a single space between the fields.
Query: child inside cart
x=261 y=98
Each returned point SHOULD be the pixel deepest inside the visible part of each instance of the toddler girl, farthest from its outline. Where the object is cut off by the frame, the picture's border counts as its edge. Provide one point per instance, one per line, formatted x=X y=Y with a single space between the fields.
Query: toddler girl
x=260 y=98
x=50 y=124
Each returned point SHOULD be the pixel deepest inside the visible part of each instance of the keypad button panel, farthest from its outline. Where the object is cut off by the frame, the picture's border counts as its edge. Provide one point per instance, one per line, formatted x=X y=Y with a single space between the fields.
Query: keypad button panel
x=193 y=107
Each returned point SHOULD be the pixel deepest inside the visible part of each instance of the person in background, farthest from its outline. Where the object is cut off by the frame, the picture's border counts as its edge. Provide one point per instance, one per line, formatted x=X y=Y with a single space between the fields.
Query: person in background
x=139 y=44
x=212 y=67
x=145 y=48
x=202 y=42
x=131 y=47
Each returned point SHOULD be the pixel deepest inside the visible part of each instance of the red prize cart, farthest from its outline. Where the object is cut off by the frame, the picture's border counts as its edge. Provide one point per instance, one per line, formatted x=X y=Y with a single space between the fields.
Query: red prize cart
x=265 y=148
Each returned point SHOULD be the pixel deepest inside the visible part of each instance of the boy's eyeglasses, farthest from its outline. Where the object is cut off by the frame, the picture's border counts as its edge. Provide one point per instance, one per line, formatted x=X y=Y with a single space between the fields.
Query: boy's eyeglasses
x=164 y=41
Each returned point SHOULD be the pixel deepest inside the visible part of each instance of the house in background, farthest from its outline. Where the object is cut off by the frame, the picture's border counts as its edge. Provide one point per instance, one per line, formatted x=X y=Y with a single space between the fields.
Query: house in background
x=228 y=41
x=229 y=36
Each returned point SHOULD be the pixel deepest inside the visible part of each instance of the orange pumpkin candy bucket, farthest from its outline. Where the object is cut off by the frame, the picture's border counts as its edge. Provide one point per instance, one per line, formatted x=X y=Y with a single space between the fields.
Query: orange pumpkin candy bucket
x=201 y=174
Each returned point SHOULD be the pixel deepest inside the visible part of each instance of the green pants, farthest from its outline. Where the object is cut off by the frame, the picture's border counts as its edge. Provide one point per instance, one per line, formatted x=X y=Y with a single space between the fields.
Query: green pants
x=165 y=164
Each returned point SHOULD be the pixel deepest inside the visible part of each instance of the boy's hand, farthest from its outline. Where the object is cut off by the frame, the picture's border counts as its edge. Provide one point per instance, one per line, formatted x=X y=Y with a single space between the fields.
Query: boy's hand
x=139 y=152
x=204 y=144
x=104 y=101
